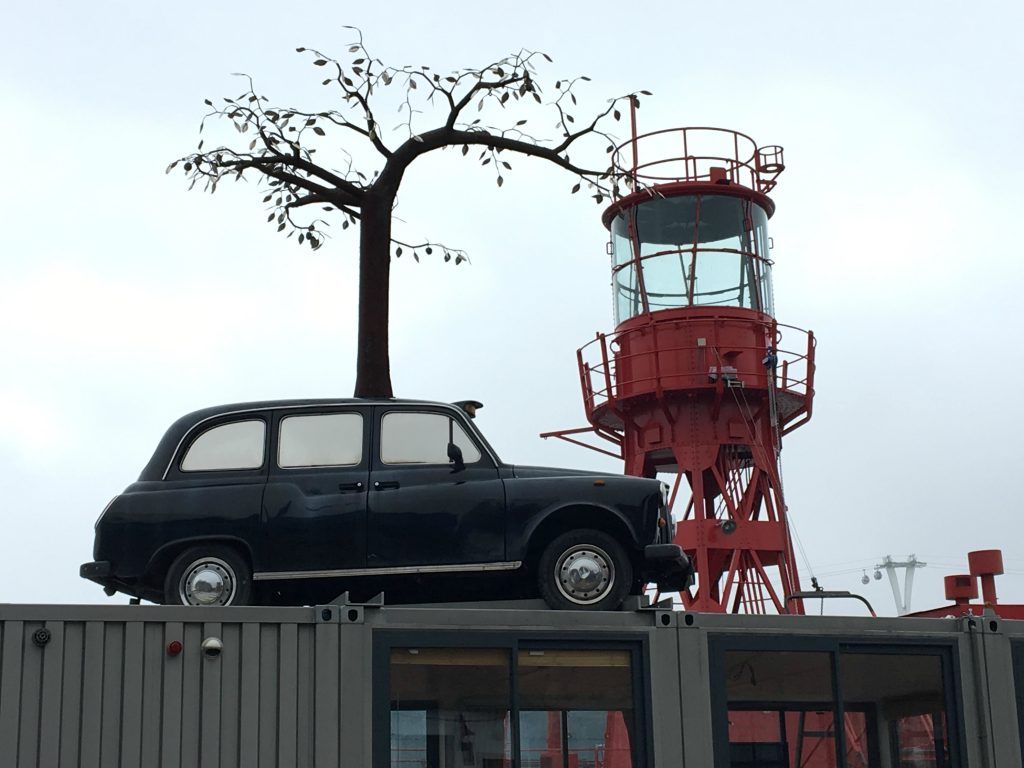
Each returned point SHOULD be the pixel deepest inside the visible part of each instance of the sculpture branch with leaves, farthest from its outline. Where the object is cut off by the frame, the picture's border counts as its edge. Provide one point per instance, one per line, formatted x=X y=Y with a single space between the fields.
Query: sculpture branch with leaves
x=344 y=162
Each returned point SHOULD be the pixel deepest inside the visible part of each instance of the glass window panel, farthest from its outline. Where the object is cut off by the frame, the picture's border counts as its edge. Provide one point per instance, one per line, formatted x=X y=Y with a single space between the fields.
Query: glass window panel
x=576 y=708
x=238 y=445
x=410 y=745
x=919 y=741
x=760 y=219
x=906 y=692
x=722 y=279
x=767 y=290
x=666 y=224
x=860 y=742
x=540 y=739
x=622 y=247
x=452 y=706
x=627 y=293
x=780 y=709
x=470 y=453
x=422 y=438
x=666 y=279
x=782 y=738
x=321 y=440
x=778 y=676
x=722 y=223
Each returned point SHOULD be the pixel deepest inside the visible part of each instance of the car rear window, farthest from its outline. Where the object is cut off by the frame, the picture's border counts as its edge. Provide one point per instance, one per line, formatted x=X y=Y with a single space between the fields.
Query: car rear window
x=321 y=440
x=236 y=445
x=422 y=438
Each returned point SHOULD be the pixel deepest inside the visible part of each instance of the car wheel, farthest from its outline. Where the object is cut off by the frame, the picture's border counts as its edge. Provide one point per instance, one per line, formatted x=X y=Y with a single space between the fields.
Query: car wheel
x=208 y=576
x=584 y=570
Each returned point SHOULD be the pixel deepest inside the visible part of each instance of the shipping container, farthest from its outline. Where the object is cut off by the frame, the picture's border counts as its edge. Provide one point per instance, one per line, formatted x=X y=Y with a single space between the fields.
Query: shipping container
x=509 y=685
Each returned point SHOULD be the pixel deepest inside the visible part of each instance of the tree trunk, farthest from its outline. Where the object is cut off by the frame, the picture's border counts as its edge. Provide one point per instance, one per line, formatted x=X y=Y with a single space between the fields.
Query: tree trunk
x=373 y=363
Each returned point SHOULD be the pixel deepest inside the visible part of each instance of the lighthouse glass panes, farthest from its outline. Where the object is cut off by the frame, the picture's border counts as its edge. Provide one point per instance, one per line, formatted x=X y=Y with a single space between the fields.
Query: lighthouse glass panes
x=696 y=250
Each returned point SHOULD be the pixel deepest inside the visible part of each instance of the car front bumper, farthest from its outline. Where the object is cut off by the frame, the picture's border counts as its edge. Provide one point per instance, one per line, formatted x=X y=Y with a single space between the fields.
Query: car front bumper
x=667 y=566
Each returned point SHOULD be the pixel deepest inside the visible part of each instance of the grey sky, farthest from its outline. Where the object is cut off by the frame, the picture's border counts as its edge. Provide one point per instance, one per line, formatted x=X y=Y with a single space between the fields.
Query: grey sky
x=126 y=301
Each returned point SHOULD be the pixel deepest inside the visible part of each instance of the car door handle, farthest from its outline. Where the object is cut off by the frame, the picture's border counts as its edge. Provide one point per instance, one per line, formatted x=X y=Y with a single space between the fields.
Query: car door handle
x=387 y=484
x=350 y=486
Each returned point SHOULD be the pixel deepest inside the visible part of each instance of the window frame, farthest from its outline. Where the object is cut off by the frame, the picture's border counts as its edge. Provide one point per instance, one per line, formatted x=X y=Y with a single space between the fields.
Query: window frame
x=279 y=426
x=472 y=434
x=205 y=428
x=513 y=642
x=946 y=648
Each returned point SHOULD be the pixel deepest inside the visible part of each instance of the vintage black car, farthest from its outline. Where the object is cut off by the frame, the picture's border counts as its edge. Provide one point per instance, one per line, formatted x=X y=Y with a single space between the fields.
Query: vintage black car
x=294 y=501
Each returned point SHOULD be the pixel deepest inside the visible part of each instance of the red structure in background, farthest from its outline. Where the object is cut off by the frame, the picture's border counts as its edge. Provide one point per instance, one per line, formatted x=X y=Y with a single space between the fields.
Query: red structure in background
x=699 y=380
x=984 y=564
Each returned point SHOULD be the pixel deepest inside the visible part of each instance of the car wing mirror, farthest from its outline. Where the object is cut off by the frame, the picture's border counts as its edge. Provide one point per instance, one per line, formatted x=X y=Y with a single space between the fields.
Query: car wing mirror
x=455 y=457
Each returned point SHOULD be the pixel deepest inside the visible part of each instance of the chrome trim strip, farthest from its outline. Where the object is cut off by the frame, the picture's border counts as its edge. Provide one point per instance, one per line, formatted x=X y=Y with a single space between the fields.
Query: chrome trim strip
x=404 y=569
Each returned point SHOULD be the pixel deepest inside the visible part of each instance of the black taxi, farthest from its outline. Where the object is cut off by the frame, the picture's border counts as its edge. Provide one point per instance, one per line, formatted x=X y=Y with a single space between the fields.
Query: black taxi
x=294 y=501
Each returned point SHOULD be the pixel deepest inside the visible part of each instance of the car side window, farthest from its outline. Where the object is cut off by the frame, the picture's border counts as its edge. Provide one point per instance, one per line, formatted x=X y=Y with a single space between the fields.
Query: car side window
x=320 y=440
x=236 y=445
x=422 y=438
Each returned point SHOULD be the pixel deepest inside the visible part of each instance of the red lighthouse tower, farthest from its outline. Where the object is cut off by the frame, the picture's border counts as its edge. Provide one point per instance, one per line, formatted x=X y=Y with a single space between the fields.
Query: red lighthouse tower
x=699 y=380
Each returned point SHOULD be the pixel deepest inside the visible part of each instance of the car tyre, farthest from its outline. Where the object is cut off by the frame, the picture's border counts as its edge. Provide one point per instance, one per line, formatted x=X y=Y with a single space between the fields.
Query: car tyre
x=209 y=575
x=584 y=570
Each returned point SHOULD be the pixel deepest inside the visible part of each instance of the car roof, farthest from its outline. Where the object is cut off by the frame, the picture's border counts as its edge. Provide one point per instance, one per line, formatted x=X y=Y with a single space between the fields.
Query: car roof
x=172 y=438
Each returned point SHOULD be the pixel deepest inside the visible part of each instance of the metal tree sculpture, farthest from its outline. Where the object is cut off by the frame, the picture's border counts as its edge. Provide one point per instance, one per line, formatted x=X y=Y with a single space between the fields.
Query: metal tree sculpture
x=282 y=143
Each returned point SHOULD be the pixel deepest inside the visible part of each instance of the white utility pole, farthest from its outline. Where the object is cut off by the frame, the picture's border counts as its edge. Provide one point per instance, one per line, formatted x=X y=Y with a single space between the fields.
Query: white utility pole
x=910 y=564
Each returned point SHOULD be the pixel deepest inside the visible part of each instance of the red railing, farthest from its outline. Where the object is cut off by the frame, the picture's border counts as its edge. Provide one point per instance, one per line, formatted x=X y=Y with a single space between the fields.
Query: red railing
x=601 y=360
x=696 y=154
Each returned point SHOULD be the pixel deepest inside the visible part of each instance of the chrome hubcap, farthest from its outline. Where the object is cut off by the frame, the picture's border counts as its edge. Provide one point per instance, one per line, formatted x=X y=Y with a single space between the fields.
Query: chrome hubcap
x=584 y=574
x=209 y=581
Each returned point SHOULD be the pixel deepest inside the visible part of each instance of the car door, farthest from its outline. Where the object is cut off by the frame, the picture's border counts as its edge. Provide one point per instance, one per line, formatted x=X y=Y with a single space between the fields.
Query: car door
x=423 y=510
x=315 y=499
x=213 y=487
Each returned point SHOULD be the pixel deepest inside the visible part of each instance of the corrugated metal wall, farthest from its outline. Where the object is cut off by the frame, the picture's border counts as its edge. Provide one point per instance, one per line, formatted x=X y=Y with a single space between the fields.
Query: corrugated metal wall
x=294 y=686
x=106 y=693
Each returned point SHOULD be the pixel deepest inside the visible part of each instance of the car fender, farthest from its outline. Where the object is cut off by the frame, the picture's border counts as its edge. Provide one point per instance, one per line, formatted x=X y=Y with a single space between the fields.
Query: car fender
x=579 y=512
x=162 y=558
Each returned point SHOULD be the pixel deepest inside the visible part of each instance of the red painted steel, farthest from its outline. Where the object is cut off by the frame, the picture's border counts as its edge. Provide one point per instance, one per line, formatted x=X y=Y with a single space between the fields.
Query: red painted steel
x=704 y=392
